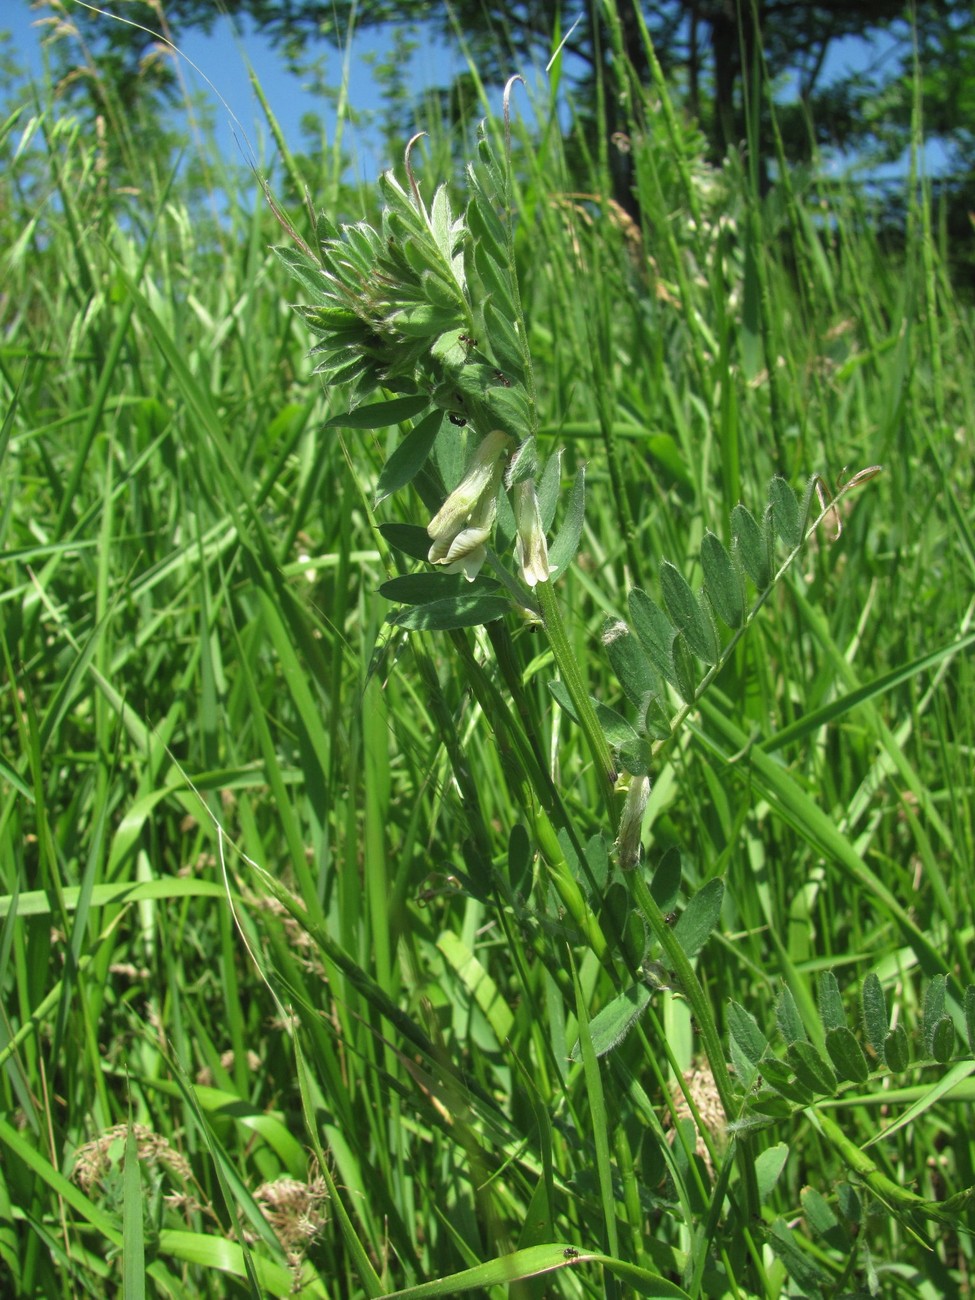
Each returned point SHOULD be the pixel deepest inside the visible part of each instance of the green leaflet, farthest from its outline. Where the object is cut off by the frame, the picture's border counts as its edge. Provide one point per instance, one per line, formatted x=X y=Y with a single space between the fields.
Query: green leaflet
x=409 y=457
x=688 y=614
x=608 y=1029
x=786 y=517
x=846 y=1054
x=830 y=1002
x=874 y=1013
x=699 y=917
x=630 y=664
x=655 y=630
x=753 y=546
x=426 y=588
x=452 y=612
x=810 y=1068
x=722 y=582
x=933 y=1009
x=566 y=544
x=380 y=415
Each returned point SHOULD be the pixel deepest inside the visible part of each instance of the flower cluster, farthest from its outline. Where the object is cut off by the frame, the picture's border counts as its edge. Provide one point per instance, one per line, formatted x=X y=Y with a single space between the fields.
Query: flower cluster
x=462 y=526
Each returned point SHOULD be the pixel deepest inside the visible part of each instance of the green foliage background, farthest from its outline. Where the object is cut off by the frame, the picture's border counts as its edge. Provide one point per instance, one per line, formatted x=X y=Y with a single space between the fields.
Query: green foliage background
x=290 y=995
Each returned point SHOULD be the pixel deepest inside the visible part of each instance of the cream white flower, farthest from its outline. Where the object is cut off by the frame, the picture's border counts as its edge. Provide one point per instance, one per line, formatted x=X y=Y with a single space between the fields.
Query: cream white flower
x=531 y=548
x=463 y=523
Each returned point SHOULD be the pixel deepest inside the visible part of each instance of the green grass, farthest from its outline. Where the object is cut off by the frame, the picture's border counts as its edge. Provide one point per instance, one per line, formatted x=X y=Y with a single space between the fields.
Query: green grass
x=289 y=893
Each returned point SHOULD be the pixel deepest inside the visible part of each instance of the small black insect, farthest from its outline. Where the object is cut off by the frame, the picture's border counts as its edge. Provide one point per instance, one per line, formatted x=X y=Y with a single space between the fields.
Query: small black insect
x=670 y=918
x=466 y=339
x=570 y=1252
x=502 y=379
x=459 y=420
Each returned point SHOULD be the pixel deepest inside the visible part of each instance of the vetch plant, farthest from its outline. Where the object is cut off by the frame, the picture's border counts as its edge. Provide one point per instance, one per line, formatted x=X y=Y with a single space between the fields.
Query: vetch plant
x=421 y=318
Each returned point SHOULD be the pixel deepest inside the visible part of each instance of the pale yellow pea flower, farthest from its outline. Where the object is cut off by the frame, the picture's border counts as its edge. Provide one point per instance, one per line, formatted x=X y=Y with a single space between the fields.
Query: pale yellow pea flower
x=462 y=525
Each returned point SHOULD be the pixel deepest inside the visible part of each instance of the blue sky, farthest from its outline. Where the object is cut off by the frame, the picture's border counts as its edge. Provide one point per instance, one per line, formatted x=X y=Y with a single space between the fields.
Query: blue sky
x=221 y=60
x=216 y=65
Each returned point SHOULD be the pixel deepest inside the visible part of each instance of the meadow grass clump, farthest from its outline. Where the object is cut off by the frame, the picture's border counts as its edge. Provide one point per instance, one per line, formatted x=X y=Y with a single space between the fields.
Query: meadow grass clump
x=499 y=808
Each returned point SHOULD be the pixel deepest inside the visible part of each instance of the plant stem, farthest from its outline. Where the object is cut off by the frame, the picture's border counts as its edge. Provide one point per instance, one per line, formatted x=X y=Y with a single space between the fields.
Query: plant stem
x=570 y=673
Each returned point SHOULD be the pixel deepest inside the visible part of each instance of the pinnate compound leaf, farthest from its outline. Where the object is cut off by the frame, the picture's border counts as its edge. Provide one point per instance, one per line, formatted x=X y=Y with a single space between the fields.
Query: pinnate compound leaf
x=830 y=1002
x=608 y=1029
x=495 y=281
x=846 y=1054
x=452 y=612
x=897 y=1049
x=305 y=272
x=751 y=545
x=425 y=321
x=699 y=917
x=786 y=517
x=778 y=1075
x=508 y=408
x=566 y=544
x=874 y=1013
x=810 y=1068
x=409 y=457
x=722 y=582
x=504 y=341
x=688 y=614
x=380 y=415
x=933 y=1008
x=441 y=222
